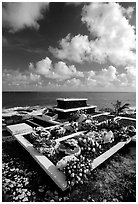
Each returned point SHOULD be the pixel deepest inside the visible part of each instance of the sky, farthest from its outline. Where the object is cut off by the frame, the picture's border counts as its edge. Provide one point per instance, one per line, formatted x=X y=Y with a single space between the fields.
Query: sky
x=61 y=46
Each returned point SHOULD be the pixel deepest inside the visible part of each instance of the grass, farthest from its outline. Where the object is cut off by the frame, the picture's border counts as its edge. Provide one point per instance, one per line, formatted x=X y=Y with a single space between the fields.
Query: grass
x=114 y=180
x=103 y=118
x=126 y=122
x=129 y=115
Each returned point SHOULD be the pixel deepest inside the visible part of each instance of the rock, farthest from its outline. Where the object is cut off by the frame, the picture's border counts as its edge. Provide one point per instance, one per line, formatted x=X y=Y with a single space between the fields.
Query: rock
x=56 y=198
x=63 y=162
x=65 y=198
x=89 y=198
x=60 y=199
x=26 y=183
x=21 y=196
x=25 y=199
x=115 y=200
x=24 y=189
x=82 y=118
x=41 y=190
x=108 y=136
x=33 y=193
x=11 y=185
x=121 y=197
x=16 y=198
x=75 y=192
x=104 y=200
x=28 y=193
x=55 y=193
x=34 y=198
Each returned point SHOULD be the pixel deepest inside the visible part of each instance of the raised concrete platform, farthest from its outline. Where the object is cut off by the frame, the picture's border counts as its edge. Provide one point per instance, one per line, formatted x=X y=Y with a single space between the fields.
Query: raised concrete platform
x=53 y=122
x=126 y=118
x=57 y=176
x=70 y=136
x=99 y=160
x=74 y=109
x=72 y=99
x=67 y=103
x=21 y=128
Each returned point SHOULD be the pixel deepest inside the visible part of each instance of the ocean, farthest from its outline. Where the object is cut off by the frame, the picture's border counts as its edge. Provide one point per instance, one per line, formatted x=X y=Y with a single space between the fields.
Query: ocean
x=44 y=99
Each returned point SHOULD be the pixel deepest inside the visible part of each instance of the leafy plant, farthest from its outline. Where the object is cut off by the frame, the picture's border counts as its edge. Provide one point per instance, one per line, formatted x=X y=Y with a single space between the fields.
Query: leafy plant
x=118 y=107
x=75 y=116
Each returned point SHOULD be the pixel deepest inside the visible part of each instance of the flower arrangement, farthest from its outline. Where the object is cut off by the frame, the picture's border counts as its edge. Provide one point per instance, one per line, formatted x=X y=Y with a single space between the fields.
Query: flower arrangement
x=74 y=156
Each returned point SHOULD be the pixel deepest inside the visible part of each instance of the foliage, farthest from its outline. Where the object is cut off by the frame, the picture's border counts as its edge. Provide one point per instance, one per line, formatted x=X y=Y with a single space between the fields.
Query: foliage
x=107 y=110
x=75 y=116
x=118 y=107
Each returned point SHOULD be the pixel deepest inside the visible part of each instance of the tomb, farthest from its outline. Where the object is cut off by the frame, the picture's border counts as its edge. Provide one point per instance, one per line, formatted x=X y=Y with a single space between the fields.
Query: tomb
x=66 y=106
x=21 y=128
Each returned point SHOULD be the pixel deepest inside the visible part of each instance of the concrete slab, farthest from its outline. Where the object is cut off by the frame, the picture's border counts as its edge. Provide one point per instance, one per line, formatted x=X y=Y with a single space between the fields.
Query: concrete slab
x=69 y=136
x=99 y=160
x=127 y=118
x=57 y=176
x=21 y=128
x=74 y=109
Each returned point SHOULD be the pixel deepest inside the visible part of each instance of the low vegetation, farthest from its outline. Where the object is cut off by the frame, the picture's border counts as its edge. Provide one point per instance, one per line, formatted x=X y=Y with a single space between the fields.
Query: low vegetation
x=24 y=180
x=113 y=181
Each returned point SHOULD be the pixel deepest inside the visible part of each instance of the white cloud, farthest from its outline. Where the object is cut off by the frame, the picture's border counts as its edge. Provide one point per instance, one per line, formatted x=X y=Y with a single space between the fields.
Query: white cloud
x=18 y=15
x=74 y=49
x=103 y=78
x=106 y=74
x=106 y=79
x=128 y=11
x=128 y=78
x=109 y=77
x=59 y=71
x=114 y=37
x=42 y=67
x=75 y=83
x=17 y=78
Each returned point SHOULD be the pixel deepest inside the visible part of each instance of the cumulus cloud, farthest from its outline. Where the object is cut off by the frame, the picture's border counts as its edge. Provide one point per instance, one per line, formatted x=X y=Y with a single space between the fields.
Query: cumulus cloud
x=128 y=11
x=74 y=49
x=17 y=78
x=114 y=38
x=18 y=15
x=59 y=71
x=73 y=83
x=108 y=77
x=128 y=78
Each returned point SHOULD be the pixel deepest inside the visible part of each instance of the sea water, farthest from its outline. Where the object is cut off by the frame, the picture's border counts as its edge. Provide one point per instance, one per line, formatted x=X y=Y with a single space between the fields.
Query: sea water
x=46 y=99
